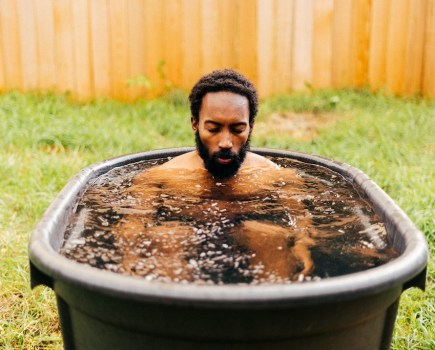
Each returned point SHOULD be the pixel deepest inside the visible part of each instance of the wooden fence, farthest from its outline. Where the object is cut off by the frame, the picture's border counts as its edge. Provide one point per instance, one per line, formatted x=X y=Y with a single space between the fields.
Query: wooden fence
x=93 y=48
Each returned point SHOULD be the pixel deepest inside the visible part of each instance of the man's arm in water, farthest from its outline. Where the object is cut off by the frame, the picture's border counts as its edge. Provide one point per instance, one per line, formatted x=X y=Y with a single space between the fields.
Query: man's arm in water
x=138 y=235
x=290 y=255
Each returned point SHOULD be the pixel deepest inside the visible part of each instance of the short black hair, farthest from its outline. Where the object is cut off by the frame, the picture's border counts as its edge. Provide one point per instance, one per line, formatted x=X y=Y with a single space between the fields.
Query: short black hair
x=223 y=80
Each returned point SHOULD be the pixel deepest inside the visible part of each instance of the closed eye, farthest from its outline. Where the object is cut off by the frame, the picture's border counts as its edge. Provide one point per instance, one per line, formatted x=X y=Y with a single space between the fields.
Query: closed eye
x=238 y=130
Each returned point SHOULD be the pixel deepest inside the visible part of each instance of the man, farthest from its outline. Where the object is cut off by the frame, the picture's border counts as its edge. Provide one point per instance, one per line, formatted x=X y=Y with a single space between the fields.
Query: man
x=198 y=210
x=223 y=106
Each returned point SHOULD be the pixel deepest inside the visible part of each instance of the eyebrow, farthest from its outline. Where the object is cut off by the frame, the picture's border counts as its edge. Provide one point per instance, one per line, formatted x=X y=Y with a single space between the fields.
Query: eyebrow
x=219 y=124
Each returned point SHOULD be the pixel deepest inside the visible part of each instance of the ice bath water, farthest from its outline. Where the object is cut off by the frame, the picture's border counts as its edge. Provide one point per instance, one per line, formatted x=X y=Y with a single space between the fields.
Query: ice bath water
x=301 y=222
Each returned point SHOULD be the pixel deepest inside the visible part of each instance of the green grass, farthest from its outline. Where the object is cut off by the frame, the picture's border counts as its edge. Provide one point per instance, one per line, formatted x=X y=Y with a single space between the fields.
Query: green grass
x=46 y=139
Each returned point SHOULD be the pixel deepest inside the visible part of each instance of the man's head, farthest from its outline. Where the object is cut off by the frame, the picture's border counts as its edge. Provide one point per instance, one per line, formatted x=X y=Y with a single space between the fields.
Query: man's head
x=223 y=80
x=224 y=105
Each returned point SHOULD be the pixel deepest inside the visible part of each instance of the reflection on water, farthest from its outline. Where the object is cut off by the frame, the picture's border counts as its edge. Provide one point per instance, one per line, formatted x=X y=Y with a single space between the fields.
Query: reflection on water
x=301 y=222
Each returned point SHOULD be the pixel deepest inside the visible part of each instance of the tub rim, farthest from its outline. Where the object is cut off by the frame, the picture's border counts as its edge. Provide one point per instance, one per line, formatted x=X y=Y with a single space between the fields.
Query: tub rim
x=48 y=267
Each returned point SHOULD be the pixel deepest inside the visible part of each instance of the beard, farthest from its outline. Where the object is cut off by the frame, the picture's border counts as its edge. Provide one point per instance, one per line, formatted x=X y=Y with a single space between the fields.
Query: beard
x=216 y=169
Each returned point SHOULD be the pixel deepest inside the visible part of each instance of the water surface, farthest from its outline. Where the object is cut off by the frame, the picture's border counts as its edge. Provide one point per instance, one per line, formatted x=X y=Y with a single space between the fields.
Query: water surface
x=301 y=222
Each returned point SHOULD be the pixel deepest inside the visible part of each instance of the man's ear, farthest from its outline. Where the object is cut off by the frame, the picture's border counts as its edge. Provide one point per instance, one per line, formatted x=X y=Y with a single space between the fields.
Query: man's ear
x=194 y=123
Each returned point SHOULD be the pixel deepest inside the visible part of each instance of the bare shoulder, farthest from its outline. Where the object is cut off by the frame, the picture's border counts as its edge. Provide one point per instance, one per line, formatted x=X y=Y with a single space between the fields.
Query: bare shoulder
x=254 y=160
x=190 y=160
x=165 y=172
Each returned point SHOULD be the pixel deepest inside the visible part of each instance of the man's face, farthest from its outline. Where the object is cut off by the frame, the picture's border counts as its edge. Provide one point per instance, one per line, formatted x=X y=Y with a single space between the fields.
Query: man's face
x=222 y=132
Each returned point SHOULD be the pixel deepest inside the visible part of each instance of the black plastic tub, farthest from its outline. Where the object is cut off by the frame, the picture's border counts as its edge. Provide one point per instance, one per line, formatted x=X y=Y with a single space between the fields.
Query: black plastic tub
x=103 y=310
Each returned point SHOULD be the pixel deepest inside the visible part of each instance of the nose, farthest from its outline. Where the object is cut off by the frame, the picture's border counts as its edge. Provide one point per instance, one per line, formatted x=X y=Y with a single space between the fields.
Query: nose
x=226 y=141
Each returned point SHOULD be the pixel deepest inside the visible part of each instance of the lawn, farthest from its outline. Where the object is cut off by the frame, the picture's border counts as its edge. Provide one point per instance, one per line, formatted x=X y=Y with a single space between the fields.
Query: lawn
x=46 y=139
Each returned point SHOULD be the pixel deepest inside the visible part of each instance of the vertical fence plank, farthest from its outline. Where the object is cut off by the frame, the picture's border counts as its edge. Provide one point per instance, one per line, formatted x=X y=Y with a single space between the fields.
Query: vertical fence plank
x=191 y=41
x=136 y=46
x=396 y=45
x=82 y=50
x=27 y=39
x=229 y=33
x=283 y=46
x=360 y=41
x=322 y=41
x=226 y=36
x=11 y=49
x=302 y=43
x=65 y=67
x=2 y=63
x=378 y=43
x=341 y=43
x=100 y=48
x=265 y=25
x=44 y=10
x=429 y=52
x=246 y=38
x=172 y=41
x=412 y=80
x=154 y=36
x=210 y=35
x=118 y=47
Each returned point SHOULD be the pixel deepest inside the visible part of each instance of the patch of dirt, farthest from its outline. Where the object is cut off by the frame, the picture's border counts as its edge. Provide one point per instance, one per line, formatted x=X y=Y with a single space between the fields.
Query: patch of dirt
x=52 y=149
x=301 y=126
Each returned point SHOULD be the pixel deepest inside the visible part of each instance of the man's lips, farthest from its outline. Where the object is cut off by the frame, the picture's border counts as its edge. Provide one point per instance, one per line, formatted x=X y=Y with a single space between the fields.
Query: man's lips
x=224 y=160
